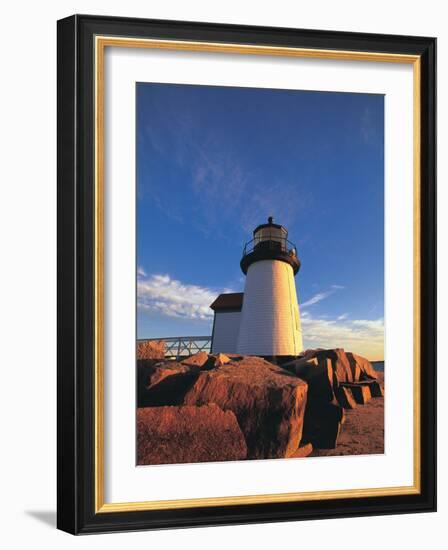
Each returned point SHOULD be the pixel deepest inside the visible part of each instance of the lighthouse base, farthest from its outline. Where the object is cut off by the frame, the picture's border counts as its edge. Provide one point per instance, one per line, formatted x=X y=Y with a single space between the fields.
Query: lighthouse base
x=270 y=320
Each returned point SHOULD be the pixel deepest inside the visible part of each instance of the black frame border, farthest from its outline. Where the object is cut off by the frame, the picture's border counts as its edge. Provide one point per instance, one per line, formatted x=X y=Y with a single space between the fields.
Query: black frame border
x=75 y=272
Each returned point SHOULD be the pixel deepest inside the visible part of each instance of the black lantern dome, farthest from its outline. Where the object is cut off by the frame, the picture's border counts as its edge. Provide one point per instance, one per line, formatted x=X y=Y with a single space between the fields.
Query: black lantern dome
x=270 y=242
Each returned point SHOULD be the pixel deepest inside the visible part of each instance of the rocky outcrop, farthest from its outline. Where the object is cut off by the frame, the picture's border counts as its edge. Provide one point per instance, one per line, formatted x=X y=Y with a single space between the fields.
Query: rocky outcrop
x=375 y=389
x=322 y=424
x=163 y=383
x=345 y=397
x=323 y=415
x=318 y=374
x=303 y=451
x=197 y=360
x=175 y=435
x=336 y=380
x=151 y=349
x=364 y=365
x=281 y=411
x=218 y=360
x=360 y=392
x=206 y=361
x=347 y=366
x=268 y=402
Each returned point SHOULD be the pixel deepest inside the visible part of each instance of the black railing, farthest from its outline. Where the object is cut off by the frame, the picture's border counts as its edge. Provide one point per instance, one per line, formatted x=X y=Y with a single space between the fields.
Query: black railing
x=277 y=244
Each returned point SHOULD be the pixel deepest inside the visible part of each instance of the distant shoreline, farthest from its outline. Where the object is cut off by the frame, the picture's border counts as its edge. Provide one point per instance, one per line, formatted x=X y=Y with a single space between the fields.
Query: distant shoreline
x=378 y=365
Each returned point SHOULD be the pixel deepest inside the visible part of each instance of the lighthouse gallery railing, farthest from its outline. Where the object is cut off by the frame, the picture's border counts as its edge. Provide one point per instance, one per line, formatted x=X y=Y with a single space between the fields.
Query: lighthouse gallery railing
x=273 y=243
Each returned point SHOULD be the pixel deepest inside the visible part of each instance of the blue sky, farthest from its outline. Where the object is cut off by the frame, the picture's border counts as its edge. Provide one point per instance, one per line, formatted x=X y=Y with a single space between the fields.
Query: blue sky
x=214 y=162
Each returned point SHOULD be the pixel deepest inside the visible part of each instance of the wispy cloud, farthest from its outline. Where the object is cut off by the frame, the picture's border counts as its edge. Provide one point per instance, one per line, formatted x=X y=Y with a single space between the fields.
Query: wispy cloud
x=222 y=180
x=317 y=298
x=163 y=294
x=321 y=296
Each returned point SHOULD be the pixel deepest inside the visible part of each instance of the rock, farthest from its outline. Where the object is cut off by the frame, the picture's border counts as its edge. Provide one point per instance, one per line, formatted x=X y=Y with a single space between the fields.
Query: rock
x=295 y=365
x=374 y=386
x=375 y=389
x=268 y=402
x=345 y=397
x=342 y=369
x=197 y=360
x=303 y=451
x=163 y=383
x=186 y=434
x=151 y=349
x=323 y=415
x=219 y=360
x=317 y=374
x=364 y=365
x=360 y=392
x=347 y=366
x=322 y=425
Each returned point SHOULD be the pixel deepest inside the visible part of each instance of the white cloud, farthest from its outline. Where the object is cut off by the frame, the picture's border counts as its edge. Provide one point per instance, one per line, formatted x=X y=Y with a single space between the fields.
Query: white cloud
x=161 y=293
x=365 y=337
x=342 y=317
x=141 y=272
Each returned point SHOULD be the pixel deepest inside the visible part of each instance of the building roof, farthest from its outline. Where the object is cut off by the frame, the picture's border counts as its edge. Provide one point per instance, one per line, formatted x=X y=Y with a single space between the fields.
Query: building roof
x=230 y=301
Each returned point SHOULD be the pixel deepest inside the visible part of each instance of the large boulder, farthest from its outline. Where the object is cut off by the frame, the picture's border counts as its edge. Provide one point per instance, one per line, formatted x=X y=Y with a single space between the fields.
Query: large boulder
x=345 y=397
x=151 y=349
x=323 y=415
x=342 y=369
x=163 y=383
x=318 y=374
x=364 y=365
x=175 y=435
x=347 y=366
x=360 y=392
x=268 y=402
x=322 y=424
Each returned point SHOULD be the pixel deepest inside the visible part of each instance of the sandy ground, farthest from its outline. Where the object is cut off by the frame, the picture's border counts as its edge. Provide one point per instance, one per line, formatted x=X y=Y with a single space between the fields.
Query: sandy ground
x=363 y=430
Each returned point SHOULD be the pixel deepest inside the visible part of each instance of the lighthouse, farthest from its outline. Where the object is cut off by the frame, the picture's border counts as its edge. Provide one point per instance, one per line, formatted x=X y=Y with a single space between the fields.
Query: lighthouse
x=269 y=323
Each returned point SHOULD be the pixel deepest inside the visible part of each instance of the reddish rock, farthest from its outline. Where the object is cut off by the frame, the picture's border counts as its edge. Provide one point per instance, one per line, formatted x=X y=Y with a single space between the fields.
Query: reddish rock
x=317 y=374
x=197 y=360
x=219 y=359
x=342 y=369
x=151 y=349
x=360 y=392
x=374 y=386
x=364 y=365
x=347 y=366
x=303 y=451
x=323 y=415
x=375 y=389
x=186 y=434
x=268 y=402
x=345 y=397
x=295 y=365
x=322 y=425
x=163 y=383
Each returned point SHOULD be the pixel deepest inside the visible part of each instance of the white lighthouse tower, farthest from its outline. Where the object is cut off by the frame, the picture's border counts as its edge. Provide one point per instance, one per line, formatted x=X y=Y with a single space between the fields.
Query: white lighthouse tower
x=270 y=320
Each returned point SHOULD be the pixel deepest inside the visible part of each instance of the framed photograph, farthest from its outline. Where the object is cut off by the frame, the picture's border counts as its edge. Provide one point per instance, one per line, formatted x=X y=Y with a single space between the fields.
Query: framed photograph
x=246 y=274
